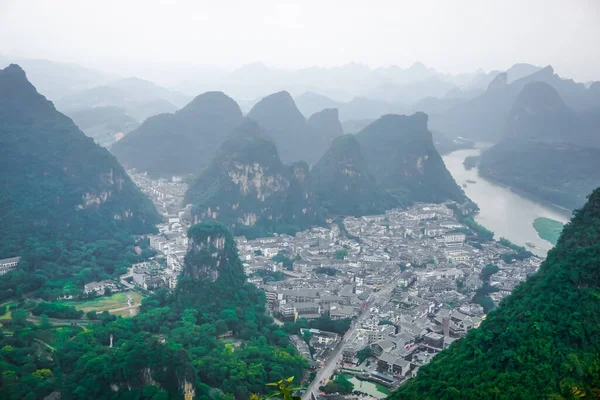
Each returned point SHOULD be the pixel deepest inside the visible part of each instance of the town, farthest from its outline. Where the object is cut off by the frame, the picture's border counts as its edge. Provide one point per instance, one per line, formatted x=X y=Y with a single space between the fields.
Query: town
x=410 y=281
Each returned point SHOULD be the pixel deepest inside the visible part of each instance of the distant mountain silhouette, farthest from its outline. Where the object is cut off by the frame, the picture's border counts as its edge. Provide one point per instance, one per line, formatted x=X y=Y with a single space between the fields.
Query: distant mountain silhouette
x=56 y=79
x=326 y=125
x=140 y=98
x=183 y=142
x=284 y=123
x=548 y=149
x=412 y=92
x=105 y=125
x=309 y=103
x=484 y=117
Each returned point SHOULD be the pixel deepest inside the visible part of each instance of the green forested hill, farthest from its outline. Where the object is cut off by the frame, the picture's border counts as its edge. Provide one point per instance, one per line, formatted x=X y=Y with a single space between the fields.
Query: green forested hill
x=400 y=154
x=343 y=183
x=247 y=187
x=60 y=190
x=542 y=342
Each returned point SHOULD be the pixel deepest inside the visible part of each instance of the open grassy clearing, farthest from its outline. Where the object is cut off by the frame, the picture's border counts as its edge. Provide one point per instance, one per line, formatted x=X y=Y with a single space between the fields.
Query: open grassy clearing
x=106 y=303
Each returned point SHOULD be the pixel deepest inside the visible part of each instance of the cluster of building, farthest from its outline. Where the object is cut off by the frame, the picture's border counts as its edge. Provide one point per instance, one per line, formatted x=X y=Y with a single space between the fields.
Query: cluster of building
x=166 y=194
x=340 y=271
x=170 y=242
x=336 y=270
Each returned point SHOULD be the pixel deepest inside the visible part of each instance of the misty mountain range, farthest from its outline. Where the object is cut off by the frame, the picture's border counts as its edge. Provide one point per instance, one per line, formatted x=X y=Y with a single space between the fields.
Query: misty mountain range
x=473 y=105
x=461 y=109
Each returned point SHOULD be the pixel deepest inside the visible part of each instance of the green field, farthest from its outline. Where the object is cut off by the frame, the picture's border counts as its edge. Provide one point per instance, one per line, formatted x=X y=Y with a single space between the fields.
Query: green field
x=103 y=303
x=548 y=229
x=8 y=314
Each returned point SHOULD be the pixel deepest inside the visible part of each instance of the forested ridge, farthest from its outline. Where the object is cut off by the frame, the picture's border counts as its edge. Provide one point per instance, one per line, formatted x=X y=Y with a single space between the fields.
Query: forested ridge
x=67 y=207
x=542 y=342
x=171 y=348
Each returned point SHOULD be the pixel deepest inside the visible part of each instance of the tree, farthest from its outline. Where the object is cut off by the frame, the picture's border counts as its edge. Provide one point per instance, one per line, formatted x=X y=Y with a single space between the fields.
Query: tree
x=91 y=315
x=363 y=354
x=341 y=254
x=307 y=335
x=19 y=317
x=340 y=384
x=45 y=322
x=488 y=271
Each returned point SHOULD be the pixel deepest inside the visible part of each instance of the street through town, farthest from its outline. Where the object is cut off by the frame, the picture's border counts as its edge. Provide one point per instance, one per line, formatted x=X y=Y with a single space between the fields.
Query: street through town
x=325 y=373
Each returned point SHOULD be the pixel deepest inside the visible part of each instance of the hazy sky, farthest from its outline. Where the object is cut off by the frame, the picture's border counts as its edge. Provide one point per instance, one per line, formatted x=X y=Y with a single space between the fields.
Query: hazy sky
x=451 y=36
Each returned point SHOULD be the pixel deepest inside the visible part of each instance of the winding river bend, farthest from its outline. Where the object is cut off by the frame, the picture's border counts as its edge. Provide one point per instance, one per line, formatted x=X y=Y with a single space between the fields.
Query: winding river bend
x=503 y=211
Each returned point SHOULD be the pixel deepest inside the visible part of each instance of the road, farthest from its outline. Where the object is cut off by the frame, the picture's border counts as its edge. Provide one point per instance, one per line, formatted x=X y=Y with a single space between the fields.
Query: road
x=128 y=275
x=331 y=365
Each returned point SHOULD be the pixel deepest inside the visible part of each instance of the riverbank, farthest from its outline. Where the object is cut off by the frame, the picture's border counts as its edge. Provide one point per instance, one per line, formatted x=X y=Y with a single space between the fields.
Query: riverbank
x=505 y=212
x=529 y=196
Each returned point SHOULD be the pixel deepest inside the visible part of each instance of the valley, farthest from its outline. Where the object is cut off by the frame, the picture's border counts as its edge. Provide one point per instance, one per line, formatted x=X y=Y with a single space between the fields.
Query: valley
x=503 y=211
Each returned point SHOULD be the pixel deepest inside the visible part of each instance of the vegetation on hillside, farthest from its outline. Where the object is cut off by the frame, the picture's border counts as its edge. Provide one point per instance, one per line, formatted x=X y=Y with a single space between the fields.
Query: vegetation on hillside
x=248 y=188
x=172 y=346
x=543 y=341
x=67 y=207
x=400 y=154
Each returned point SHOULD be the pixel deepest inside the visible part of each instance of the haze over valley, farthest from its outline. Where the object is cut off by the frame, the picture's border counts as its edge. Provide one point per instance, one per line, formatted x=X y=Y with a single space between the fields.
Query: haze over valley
x=215 y=201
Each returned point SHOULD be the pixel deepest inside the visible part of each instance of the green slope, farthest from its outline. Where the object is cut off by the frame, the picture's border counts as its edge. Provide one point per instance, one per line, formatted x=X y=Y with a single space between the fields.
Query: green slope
x=542 y=342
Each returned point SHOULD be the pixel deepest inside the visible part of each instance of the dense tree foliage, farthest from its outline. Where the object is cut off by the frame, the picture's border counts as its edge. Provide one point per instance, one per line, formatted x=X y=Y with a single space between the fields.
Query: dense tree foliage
x=339 y=384
x=364 y=353
x=55 y=310
x=543 y=341
x=67 y=207
x=172 y=344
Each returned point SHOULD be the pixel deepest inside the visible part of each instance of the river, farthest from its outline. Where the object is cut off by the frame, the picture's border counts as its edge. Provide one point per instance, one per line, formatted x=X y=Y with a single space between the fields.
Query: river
x=503 y=211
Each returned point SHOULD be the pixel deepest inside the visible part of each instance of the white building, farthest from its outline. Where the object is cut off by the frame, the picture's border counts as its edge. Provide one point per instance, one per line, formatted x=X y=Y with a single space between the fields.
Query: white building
x=9 y=264
x=99 y=287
